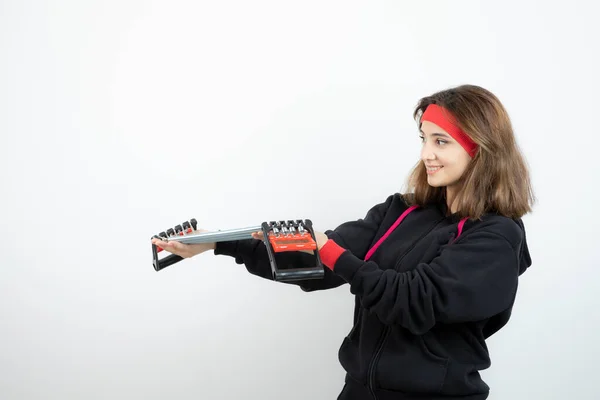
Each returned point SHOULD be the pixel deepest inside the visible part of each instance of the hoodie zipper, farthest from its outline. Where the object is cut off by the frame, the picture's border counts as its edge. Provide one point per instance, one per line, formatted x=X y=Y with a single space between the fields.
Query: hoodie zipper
x=374 y=361
x=386 y=331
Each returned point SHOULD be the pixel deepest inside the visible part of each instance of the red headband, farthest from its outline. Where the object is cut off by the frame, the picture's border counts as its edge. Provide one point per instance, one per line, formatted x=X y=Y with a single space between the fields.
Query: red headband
x=444 y=119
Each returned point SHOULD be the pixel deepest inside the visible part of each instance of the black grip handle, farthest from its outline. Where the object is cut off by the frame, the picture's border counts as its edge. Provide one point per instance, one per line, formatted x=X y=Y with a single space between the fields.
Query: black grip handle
x=292 y=275
x=165 y=262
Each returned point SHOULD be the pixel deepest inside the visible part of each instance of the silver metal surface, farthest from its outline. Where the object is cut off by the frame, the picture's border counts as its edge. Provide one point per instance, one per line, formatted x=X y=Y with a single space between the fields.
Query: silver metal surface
x=215 y=236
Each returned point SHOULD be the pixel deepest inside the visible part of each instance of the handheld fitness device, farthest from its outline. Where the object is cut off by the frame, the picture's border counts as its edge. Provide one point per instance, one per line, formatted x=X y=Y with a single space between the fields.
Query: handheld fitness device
x=279 y=236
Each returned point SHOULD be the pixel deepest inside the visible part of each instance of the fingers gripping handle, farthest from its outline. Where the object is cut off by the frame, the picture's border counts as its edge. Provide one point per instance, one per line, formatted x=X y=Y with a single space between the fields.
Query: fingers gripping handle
x=185 y=228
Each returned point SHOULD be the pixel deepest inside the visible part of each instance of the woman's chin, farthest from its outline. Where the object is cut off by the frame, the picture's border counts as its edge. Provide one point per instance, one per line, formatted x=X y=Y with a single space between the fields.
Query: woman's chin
x=435 y=182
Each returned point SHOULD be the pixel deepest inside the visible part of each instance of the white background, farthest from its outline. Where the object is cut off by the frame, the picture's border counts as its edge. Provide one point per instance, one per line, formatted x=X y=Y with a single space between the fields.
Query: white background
x=120 y=119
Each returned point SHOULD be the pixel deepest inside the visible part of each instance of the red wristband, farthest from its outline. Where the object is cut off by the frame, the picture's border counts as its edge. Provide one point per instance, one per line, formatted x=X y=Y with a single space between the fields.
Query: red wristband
x=330 y=252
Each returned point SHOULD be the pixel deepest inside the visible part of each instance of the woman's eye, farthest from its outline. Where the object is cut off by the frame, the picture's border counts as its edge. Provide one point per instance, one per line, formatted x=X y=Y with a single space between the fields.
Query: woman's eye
x=438 y=141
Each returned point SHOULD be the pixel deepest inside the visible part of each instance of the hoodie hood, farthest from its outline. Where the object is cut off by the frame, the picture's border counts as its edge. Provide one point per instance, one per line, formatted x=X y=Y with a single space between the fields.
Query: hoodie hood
x=525 y=257
x=498 y=321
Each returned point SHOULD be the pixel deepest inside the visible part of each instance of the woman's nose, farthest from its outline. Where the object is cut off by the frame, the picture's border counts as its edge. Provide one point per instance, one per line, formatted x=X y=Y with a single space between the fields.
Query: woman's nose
x=427 y=153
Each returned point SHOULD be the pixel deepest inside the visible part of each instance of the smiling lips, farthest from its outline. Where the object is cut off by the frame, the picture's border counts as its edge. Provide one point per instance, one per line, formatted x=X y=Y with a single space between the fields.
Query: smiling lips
x=433 y=169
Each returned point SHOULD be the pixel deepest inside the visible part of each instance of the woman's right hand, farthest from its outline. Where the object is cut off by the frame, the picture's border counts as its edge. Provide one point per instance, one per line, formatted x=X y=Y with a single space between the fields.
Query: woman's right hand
x=185 y=250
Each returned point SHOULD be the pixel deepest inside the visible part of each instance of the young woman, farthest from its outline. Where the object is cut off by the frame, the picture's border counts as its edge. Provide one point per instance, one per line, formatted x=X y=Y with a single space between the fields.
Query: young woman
x=434 y=271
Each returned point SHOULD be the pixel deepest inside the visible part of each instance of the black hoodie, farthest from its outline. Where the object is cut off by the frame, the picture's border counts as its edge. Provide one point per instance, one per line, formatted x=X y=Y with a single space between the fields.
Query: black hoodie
x=424 y=302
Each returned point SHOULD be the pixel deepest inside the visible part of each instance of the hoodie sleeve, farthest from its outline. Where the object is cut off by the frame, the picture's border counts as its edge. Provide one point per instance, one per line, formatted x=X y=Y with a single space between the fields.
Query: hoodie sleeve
x=471 y=279
x=354 y=236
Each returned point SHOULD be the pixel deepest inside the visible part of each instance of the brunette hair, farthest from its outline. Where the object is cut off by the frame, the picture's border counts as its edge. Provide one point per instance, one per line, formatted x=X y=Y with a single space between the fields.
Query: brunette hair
x=497 y=178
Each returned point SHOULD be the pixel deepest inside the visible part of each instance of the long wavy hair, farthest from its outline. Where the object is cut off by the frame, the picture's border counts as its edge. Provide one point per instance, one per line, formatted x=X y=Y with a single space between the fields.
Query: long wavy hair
x=497 y=178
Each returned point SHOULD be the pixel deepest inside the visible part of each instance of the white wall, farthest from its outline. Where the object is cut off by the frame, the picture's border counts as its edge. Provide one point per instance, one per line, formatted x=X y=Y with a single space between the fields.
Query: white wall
x=122 y=118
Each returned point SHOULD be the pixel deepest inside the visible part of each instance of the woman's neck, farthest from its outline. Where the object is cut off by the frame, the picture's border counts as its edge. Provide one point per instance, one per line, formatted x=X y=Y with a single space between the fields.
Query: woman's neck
x=450 y=197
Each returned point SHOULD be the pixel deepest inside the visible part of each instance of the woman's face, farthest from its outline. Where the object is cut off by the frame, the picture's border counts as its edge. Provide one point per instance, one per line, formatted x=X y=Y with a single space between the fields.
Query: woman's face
x=445 y=159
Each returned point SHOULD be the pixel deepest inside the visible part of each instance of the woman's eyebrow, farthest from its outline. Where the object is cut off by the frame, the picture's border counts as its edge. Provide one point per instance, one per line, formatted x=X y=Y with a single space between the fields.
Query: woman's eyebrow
x=438 y=134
